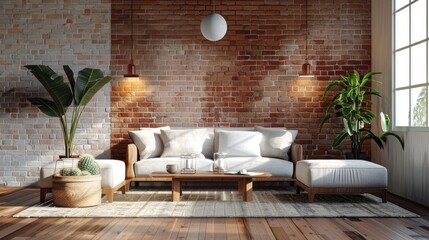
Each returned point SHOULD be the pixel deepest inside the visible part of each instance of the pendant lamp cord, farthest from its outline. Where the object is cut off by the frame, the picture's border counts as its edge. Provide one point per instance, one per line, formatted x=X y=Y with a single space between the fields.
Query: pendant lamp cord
x=132 y=30
x=306 y=31
x=214 y=6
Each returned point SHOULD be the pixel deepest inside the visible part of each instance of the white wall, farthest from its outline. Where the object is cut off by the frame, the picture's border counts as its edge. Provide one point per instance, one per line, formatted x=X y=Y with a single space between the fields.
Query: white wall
x=408 y=169
x=54 y=33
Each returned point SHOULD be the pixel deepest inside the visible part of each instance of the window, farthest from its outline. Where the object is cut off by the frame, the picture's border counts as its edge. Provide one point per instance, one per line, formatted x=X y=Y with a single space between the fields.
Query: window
x=410 y=63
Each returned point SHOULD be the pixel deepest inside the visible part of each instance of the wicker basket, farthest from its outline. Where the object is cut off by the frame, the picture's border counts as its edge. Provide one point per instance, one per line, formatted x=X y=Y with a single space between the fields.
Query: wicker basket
x=76 y=191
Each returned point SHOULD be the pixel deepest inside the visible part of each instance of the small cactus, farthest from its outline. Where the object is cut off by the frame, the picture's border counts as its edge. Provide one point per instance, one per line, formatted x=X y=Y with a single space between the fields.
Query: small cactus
x=87 y=163
x=85 y=173
x=70 y=171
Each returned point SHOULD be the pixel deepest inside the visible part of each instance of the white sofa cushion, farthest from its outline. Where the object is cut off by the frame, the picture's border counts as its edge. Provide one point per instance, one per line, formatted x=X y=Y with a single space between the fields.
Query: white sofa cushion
x=178 y=142
x=227 y=129
x=341 y=173
x=276 y=142
x=208 y=145
x=240 y=143
x=145 y=167
x=277 y=167
x=148 y=141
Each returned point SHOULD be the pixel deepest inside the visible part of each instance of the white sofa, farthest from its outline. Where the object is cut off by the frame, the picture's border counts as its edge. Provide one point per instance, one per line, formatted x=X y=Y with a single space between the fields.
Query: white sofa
x=254 y=149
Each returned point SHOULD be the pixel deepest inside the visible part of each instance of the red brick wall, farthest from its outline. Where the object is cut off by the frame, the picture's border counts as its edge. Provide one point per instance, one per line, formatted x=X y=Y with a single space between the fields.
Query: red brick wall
x=248 y=78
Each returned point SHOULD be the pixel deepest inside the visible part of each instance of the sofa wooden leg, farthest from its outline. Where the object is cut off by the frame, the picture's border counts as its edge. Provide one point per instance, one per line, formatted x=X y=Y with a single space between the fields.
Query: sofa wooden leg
x=298 y=189
x=311 y=196
x=43 y=192
x=123 y=187
x=384 y=196
x=127 y=186
x=109 y=194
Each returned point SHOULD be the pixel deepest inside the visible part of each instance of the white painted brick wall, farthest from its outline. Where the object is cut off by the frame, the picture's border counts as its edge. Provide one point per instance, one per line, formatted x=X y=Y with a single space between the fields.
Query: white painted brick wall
x=54 y=33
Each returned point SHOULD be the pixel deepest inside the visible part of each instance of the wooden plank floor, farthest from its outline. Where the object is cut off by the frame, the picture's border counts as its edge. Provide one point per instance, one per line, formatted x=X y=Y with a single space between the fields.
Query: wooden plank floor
x=13 y=200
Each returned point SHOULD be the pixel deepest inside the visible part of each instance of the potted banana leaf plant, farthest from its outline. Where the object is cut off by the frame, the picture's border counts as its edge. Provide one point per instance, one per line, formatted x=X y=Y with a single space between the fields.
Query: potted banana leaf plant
x=71 y=187
x=351 y=104
x=64 y=97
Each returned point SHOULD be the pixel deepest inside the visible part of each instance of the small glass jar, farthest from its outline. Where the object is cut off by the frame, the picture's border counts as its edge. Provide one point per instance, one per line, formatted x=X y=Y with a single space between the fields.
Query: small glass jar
x=188 y=163
x=219 y=163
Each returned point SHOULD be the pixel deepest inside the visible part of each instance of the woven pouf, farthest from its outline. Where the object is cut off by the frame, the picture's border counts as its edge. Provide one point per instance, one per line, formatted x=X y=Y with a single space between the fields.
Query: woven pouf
x=76 y=191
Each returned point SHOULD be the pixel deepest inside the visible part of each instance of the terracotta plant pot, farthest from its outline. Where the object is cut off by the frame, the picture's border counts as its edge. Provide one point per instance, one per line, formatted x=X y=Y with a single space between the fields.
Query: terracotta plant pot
x=76 y=191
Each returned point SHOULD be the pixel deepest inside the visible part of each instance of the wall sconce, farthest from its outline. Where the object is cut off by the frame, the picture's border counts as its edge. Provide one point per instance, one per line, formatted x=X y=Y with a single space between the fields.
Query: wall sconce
x=213 y=26
x=131 y=68
x=306 y=67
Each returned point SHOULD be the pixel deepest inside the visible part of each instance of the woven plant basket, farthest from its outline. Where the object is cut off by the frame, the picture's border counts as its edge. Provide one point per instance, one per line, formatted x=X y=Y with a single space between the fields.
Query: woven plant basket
x=76 y=191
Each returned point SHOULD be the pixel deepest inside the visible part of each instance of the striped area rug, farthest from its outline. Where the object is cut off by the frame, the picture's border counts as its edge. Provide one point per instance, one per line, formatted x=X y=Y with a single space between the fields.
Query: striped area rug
x=226 y=203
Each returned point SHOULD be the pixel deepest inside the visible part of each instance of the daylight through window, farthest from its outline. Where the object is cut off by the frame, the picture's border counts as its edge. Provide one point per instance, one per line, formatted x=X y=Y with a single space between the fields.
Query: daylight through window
x=410 y=63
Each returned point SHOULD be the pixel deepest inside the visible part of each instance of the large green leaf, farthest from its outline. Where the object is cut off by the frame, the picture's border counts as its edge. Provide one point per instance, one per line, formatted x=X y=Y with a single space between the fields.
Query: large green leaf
x=86 y=79
x=59 y=91
x=372 y=136
x=46 y=106
x=367 y=112
x=354 y=79
x=70 y=76
x=384 y=138
x=333 y=84
x=339 y=138
x=339 y=114
x=373 y=92
x=367 y=77
x=333 y=104
x=89 y=82
x=326 y=118
x=94 y=89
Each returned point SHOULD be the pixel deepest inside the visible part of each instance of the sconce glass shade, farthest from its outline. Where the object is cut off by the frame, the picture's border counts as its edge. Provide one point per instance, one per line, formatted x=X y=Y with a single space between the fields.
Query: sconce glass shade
x=306 y=70
x=213 y=27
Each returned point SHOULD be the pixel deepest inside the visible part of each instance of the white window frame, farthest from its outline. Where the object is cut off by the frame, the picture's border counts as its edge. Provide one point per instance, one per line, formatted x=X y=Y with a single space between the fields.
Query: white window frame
x=409 y=87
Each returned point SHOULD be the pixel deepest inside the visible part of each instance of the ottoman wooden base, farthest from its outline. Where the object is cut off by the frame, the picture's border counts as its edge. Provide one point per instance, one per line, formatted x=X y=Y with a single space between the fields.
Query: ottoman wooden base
x=312 y=191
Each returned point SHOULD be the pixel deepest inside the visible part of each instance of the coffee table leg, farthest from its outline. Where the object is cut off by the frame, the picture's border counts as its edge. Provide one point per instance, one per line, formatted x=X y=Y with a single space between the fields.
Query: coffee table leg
x=241 y=187
x=175 y=190
x=247 y=189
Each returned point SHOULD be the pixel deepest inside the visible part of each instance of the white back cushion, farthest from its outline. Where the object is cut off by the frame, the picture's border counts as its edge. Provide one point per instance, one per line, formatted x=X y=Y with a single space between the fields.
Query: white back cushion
x=240 y=143
x=276 y=142
x=148 y=141
x=178 y=142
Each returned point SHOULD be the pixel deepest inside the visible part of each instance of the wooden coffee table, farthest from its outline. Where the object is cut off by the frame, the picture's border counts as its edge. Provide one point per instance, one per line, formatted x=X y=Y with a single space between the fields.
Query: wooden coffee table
x=245 y=182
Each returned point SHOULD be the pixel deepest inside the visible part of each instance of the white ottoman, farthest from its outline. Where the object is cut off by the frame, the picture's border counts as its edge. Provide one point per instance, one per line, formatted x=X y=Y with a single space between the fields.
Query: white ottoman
x=341 y=176
x=112 y=177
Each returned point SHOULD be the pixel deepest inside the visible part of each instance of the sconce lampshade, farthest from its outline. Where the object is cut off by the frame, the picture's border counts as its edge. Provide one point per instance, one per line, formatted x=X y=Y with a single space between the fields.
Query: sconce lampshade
x=131 y=70
x=213 y=27
x=306 y=70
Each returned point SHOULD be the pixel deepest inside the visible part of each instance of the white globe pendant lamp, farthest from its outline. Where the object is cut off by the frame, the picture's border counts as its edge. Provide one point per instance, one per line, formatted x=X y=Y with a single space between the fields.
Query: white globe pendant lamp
x=213 y=26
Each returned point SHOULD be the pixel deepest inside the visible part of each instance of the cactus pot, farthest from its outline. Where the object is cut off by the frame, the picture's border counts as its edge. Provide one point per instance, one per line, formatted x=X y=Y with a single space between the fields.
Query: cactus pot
x=76 y=191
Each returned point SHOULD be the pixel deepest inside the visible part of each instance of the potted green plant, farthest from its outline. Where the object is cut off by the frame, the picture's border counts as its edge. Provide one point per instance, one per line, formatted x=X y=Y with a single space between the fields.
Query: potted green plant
x=77 y=186
x=72 y=186
x=352 y=104
x=75 y=95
